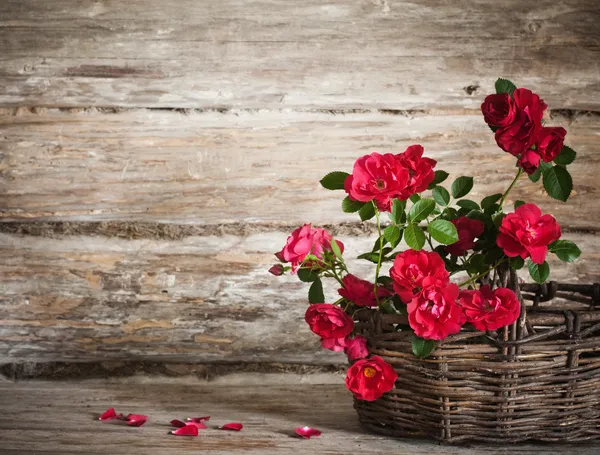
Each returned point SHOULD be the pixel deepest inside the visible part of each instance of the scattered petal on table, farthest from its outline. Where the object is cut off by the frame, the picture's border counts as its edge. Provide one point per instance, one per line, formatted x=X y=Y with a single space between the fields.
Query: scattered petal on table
x=198 y=425
x=109 y=415
x=177 y=423
x=136 y=420
x=307 y=432
x=232 y=426
x=188 y=430
x=198 y=419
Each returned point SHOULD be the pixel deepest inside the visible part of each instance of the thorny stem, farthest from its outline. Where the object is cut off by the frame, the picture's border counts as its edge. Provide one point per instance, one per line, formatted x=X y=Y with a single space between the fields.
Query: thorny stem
x=380 y=254
x=519 y=173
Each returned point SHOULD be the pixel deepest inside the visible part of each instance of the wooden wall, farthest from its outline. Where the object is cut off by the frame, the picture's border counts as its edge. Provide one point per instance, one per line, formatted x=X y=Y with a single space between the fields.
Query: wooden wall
x=153 y=156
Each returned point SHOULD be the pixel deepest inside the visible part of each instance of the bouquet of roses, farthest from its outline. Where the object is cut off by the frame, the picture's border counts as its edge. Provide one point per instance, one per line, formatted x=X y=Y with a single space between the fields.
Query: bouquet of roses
x=477 y=240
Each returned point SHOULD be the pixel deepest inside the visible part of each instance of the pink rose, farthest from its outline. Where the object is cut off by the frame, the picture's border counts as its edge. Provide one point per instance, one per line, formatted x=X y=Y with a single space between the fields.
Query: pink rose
x=468 y=229
x=333 y=344
x=328 y=321
x=376 y=177
x=411 y=268
x=420 y=171
x=369 y=379
x=356 y=348
x=529 y=161
x=550 y=142
x=499 y=110
x=434 y=314
x=490 y=310
x=304 y=241
x=361 y=292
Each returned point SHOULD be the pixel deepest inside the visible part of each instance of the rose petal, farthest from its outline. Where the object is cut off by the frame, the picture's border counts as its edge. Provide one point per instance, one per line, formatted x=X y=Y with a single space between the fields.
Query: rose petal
x=109 y=415
x=136 y=420
x=232 y=426
x=187 y=430
x=198 y=419
x=177 y=423
x=307 y=432
x=198 y=425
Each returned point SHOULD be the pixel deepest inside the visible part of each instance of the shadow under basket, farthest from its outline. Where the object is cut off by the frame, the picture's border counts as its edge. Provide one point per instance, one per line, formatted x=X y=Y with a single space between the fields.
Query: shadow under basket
x=538 y=379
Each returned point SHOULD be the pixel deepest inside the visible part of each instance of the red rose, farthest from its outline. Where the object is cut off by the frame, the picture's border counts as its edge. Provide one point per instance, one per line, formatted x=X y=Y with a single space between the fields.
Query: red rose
x=467 y=229
x=550 y=142
x=328 y=321
x=369 y=379
x=522 y=132
x=361 y=292
x=529 y=161
x=411 y=268
x=499 y=109
x=420 y=171
x=376 y=177
x=490 y=310
x=356 y=348
x=276 y=270
x=304 y=241
x=527 y=233
x=333 y=344
x=434 y=314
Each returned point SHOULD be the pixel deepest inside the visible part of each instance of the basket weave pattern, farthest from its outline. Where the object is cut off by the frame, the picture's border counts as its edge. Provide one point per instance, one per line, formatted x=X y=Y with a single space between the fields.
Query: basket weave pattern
x=538 y=379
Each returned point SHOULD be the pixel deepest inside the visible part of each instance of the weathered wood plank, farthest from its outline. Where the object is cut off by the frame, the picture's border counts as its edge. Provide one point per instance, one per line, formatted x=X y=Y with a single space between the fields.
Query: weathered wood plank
x=273 y=53
x=198 y=299
x=263 y=166
x=269 y=406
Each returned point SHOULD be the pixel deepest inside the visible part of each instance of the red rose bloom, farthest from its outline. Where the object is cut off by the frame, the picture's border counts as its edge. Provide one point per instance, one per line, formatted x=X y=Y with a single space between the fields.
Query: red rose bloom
x=356 y=348
x=527 y=233
x=434 y=314
x=420 y=171
x=411 y=268
x=361 y=292
x=550 y=142
x=499 y=109
x=522 y=133
x=304 y=241
x=376 y=177
x=490 y=310
x=369 y=379
x=468 y=230
x=529 y=161
x=328 y=321
x=334 y=344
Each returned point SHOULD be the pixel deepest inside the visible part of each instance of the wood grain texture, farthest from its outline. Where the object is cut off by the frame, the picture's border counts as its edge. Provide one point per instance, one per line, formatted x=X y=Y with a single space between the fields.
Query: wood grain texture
x=273 y=53
x=269 y=407
x=196 y=299
x=209 y=167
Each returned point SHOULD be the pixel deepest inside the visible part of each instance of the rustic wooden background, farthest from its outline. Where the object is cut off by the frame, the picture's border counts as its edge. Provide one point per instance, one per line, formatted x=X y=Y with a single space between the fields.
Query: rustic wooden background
x=153 y=156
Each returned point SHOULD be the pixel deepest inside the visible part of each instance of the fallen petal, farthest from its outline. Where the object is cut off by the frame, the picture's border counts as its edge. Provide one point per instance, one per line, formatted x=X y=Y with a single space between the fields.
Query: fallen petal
x=198 y=419
x=188 y=430
x=232 y=426
x=307 y=432
x=136 y=420
x=108 y=415
x=177 y=423
x=198 y=425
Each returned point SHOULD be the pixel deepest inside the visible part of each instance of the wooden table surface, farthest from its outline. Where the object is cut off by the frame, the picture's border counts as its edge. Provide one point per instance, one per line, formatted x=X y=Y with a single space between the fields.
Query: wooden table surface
x=61 y=417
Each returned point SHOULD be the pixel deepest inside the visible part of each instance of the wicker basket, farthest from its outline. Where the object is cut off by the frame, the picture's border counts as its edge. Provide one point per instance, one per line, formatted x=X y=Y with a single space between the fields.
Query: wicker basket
x=538 y=379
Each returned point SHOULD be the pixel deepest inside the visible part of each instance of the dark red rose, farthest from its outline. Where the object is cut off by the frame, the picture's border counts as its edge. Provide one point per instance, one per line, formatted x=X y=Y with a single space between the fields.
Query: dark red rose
x=490 y=310
x=376 y=177
x=550 y=142
x=369 y=379
x=277 y=270
x=420 y=171
x=529 y=161
x=434 y=314
x=499 y=110
x=411 y=268
x=521 y=134
x=361 y=292
x=527 y=233
x=468 y=230
x=328 y=321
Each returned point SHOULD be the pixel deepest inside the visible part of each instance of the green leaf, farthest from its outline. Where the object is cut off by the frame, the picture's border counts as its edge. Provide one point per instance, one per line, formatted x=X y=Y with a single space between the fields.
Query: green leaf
x=414 y=237
x=414 y=198
x=421 y=210
x=488 y=202
x=398 y=208
x=545 y=166
x=505 y=86
x=367 y=211
x=383 y=279
x=336 y=249
x=461 y=186
x=315 y=292
x=371 y=256
x=518 y=204
x=350 y=206
x=476 y=264
x=392 y=234
x=497 y=218
x=441 y=195
x=443 y=231
x=517 y=263
x=558 y=183
x=539 y=272
x=334 y=180
x=468 y=204
x=440 y=176
x=565 y=250
x=421 y=347
x=307 y=275
x=567 y=156
x=536 y=175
